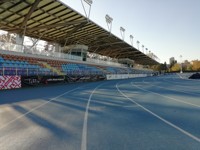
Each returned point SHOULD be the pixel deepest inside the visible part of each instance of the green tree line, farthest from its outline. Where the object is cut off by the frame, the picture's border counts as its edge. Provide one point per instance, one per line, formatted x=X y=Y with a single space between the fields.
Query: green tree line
x=187 y=66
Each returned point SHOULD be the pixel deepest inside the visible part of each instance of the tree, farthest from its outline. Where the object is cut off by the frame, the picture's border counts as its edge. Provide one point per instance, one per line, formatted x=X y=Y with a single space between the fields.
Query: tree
x=175 y=67
x=196 y=65
x=164 y=66
x=8 y=38
x=7 y=41
x=160 y=67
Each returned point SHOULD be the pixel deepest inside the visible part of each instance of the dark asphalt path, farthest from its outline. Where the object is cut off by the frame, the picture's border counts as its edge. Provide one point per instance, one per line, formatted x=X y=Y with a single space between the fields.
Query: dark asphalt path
x=154 y=113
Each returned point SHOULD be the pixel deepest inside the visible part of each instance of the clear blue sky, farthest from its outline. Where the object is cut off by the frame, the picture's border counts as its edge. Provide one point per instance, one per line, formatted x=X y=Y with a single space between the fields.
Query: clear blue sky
x=166 y=27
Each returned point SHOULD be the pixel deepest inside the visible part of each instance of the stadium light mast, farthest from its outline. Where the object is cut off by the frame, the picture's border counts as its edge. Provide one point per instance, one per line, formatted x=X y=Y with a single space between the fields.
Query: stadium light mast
x=138 y=44
x=89 y=3
x=181 y=65
x=146 y=50
x=109 y=21
x=122 y=31
x=143 y=48
x=150 y=54
x=131 y=39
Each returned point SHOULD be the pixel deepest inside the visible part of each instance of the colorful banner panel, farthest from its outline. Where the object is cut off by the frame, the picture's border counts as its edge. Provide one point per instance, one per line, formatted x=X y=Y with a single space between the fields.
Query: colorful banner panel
x=10 y=82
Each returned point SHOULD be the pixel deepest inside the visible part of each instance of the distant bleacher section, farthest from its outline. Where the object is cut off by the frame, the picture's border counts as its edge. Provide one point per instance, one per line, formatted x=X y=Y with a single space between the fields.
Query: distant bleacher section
x=15 y=61
x=20 y=70
x=19 y=65
x=30 y=66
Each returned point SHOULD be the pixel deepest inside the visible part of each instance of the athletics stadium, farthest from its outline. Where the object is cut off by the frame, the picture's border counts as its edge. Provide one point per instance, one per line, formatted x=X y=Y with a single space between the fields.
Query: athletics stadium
x=90 y=90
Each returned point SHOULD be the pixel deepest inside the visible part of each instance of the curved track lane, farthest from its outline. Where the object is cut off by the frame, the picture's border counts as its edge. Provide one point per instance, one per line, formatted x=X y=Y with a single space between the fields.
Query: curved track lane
x=141 y=114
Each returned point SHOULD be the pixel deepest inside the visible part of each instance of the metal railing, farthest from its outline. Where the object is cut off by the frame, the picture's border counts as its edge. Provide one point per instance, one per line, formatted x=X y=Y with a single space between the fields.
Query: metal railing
x=14 y=71
x=39 y=51
x=97 y=61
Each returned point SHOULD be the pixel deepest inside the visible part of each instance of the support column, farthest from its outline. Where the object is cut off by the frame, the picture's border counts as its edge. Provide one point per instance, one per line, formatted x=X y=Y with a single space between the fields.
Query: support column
x=58 y=49
x=19 y=42
x=19 y=39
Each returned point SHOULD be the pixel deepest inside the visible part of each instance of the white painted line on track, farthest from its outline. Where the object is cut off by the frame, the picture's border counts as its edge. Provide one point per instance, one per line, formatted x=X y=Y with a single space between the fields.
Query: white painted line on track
x=174 y=99
x=85 y=122
x=184 y=86
x=171 y=89
x=188 y=78
x=160 y=118
x=130 y=106
x=23 y=115
x=180 y=76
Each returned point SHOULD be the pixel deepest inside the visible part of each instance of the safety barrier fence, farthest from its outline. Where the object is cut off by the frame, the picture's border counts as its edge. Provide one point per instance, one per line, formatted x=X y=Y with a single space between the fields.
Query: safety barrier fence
x=14 y=71
x=39 y=51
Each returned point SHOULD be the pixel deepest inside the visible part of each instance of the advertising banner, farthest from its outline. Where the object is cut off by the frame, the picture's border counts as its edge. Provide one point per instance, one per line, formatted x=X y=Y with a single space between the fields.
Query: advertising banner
x=10 y=82
x=41 y=80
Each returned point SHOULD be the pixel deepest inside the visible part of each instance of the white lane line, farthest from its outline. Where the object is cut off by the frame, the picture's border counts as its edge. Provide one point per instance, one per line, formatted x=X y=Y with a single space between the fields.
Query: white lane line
x=23 y=115
x=85 y=122
x=160 y=118
x=187 y=77
x=189 y=80
x=180 y=76
x=171 y=89
x=130 y=106
x=183 y=86
x=174 y=99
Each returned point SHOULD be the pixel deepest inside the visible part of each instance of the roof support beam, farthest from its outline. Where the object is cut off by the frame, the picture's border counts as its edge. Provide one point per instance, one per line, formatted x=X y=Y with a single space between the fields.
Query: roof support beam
x=114 y=43
x=130 y=55
x=56 y=25
x=78 y=27
x=4 y=1
x=121 y=51
x=34 y=6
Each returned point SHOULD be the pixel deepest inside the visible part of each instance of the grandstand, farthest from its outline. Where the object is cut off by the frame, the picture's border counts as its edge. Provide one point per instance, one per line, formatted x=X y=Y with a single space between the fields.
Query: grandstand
x=56 y=22
x=159 y=113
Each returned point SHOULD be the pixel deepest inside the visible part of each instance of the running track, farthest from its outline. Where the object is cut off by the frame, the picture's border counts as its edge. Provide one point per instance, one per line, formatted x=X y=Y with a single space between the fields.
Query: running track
x=154 y=113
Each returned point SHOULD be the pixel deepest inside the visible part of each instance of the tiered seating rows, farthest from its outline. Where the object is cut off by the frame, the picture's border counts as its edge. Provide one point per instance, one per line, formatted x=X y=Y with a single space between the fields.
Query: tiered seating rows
x=80 y=68
x=20 y=65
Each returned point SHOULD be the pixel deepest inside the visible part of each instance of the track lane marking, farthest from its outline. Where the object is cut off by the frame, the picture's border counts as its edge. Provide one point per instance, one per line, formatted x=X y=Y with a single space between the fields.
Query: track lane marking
x=171 y=89
x=160 y=118
x=174 y=99
x=35 y=108
x=85 y=122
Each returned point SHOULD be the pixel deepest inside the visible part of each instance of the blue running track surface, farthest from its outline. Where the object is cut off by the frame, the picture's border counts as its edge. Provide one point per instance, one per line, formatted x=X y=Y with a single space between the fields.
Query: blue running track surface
x=154 y=113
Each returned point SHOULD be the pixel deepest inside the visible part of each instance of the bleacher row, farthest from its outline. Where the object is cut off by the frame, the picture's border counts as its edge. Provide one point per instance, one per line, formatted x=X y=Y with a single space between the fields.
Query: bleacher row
x=29 y=66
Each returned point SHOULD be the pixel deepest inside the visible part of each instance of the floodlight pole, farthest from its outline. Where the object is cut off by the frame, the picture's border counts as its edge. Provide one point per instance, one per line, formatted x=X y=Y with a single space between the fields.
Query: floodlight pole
x=109 y=21
x=131 y=39
x=143 y=48
x=89 y=2
x=146 y=50
x=122 y=31
x=138 y=44
x=181 y=66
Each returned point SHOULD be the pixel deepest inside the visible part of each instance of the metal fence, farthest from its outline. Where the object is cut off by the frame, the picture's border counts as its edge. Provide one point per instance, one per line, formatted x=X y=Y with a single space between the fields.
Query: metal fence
x=14 y=71
x=42 y=52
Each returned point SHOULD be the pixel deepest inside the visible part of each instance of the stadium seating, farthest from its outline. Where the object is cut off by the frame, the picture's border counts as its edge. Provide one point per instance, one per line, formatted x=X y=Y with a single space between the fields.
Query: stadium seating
x=18 y=65
x=30 y=66
x=72 y=68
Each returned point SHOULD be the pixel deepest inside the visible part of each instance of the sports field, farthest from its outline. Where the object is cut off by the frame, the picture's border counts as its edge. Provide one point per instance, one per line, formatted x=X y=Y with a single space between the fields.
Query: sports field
x=154 y=113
